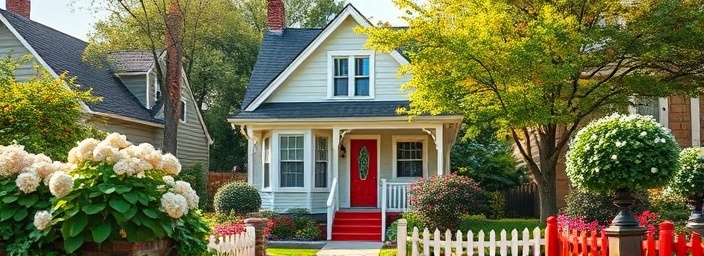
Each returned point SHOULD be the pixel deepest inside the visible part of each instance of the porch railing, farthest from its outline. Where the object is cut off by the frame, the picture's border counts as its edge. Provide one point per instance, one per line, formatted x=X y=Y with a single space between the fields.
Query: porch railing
x=332 y=207
x=394 y=198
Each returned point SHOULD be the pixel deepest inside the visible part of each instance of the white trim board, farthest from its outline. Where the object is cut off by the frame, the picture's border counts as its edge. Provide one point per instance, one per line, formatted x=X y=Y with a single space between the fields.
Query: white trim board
x=349 y=11
x=409 y=138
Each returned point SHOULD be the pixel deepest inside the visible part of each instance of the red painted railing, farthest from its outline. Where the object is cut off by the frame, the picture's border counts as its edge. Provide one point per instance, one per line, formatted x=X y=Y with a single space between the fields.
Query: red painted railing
x=575 y=243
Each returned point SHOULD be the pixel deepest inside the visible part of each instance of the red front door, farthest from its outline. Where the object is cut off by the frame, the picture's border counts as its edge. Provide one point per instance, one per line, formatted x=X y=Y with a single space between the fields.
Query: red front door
x=363 y=173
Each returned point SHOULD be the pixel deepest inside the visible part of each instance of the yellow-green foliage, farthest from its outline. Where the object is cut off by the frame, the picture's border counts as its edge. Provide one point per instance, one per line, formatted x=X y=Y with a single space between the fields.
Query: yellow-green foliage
x=44 y=113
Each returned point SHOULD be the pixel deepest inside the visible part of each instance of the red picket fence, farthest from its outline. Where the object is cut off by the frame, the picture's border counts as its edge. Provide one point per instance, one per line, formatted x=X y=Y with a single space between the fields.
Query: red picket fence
x=574 y=243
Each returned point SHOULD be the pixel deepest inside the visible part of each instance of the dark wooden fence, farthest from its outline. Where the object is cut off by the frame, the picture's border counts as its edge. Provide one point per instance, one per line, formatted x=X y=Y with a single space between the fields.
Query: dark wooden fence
x=522 y=201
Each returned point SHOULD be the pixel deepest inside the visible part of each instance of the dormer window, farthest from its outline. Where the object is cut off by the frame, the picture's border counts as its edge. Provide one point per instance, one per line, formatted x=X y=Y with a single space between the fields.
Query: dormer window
x=351 y=74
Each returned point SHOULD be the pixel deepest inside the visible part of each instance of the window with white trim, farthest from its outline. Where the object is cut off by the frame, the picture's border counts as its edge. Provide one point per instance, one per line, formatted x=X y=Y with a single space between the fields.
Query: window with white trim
x=266 y=155
x=409 y=159
x=648 y=106
x=321 y=162
x=351 y=75
x=291 y=161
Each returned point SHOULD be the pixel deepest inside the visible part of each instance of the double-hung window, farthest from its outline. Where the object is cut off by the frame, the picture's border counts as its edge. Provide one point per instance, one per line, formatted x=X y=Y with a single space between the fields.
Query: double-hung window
x=409 y=156
x=351 y=74
x=291 y=161
x=321 y=162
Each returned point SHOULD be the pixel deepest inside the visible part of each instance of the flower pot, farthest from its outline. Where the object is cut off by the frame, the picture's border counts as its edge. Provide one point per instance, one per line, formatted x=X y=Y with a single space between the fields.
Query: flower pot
x=152 y=248
x=623 y=198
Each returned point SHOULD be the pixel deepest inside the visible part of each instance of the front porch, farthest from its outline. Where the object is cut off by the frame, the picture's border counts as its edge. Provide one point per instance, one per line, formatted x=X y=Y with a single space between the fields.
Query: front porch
x=325 y=167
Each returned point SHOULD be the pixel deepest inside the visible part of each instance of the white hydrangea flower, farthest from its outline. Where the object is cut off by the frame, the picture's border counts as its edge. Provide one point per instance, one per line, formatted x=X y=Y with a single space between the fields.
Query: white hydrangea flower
x=154 y=158
x=28 y=182
x=123 y=167
x=656 y=140
x=169 y=180
x=60 y=184
x=192 y=199
x=42 y=220
x=614 y=157
x=171 y=166
x=174 y=205
x=83 y=152
x=117 y=140
x=182 y=187
x=643 y=134
x=42 y=158
x=105 y=152
x=14 y=159
x=654 y=170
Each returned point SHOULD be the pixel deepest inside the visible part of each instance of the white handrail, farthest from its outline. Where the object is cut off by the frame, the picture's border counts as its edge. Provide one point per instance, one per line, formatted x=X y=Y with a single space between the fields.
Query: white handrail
x=332 y=204
x=383 y=209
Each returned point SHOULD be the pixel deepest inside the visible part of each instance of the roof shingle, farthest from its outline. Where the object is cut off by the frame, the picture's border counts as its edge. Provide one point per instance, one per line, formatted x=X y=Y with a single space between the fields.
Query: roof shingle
x=328 y=109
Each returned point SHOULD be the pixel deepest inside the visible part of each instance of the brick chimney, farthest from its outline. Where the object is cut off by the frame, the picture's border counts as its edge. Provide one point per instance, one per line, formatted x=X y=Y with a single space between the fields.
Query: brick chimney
x=275 y=16
x=20 y=7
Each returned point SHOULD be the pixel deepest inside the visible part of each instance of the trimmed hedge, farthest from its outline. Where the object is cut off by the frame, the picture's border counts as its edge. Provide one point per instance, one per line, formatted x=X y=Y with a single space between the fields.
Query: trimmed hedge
x=237 y=197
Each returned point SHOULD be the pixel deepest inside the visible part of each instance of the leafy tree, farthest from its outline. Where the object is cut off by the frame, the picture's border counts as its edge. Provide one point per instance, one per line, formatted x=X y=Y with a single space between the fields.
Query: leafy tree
x=311 y=13
x=539 y=69
x=44 y=113
x=486 y=159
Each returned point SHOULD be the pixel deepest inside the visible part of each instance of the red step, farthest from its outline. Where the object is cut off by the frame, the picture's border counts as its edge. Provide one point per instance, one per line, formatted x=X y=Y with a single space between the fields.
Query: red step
x=357 y=226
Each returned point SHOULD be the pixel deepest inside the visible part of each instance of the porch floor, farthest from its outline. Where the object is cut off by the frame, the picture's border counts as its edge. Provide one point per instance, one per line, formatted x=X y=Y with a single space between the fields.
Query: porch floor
x=349 y=248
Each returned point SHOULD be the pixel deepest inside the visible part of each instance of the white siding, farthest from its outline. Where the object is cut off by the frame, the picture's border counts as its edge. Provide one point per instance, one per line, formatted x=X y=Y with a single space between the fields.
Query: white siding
x=320 y=202
x=283 y=201
x=266 y=200
x=11 y=46
x=309 y=81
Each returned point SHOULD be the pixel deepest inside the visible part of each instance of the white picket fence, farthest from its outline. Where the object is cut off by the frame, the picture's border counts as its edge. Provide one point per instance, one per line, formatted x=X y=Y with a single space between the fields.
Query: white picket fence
x=434 y=244
x=241 y=244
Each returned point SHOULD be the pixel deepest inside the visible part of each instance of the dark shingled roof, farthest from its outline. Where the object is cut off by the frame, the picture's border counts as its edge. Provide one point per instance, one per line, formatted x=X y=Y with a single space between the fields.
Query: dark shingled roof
x=131 y=61
x=275 y=54
x=328 y=109
x=63 y=53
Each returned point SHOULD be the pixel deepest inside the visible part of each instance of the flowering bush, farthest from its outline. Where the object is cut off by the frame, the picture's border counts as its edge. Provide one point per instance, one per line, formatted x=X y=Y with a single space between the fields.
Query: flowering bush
x=671 y=207
x=283 y=228
x=441 y=201
x=688 y=179
x=237 y=227
x=24 y=190
x=646 y=219
x=622 y=151
x=115 y=190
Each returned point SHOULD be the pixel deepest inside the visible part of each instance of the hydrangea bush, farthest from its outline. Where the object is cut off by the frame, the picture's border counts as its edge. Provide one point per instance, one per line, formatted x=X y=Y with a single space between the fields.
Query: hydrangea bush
x=689 y=179
x=114 y=190
x=441 y=201
x=622 y=151
x=26 y=181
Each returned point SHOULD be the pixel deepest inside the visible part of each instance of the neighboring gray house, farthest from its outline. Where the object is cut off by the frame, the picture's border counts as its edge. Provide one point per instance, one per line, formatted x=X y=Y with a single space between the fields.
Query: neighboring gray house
x=320 y=116
x=128 y=88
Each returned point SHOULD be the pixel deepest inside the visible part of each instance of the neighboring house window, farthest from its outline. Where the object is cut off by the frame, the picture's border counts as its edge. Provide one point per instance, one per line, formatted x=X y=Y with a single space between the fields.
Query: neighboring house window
x=321 y=162
x=291 y=161
x=183 y=111
x=409 y=156
x=648 y=106
x=266 y=154
x=351 y=74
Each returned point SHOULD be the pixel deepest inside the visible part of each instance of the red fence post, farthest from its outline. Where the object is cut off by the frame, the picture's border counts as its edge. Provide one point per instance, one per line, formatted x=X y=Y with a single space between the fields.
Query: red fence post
x=666 y=239
x=552 y=241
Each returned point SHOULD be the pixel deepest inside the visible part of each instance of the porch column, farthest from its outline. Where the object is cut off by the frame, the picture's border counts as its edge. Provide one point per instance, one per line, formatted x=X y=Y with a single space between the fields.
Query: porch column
x=335 y=161
x=250 y=153
x=440 y=146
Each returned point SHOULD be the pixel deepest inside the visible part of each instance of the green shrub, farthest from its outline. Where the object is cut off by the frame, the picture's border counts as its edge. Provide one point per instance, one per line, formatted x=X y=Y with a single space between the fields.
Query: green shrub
x=307 y=229
x=268 y=214
x=591 y=206
x=412 y=220
x=283 y=228
x=392 y=232
x=237 y=197
x=440 y=201
x=671 y=207
x=687 y=181
x=497 y=206
x=198 y=179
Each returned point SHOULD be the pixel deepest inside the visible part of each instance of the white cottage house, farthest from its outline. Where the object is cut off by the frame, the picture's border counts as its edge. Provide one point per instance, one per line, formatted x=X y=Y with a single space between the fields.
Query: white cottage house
x=320 y=117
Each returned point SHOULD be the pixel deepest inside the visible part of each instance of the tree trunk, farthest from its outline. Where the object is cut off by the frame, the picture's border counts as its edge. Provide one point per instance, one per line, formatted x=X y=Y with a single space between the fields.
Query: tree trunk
x=172 y=104
x=547 y=191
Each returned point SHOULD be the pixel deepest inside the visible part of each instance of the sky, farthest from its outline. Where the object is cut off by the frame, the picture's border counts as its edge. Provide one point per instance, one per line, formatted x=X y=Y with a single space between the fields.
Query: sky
x=74 y=18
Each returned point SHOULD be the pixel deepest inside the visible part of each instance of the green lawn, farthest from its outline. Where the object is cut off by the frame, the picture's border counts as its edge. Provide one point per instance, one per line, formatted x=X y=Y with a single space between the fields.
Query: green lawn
x=290 y=252
x=475 y=224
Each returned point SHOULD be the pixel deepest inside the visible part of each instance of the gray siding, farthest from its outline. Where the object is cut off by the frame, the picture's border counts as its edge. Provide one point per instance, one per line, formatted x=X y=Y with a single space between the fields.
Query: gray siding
x=320 y=202
x=309 y=81
x=266 y=200
x=283 y=201
x=135 y=133
x=137 y=84
x=10 y=45
x=193 y=147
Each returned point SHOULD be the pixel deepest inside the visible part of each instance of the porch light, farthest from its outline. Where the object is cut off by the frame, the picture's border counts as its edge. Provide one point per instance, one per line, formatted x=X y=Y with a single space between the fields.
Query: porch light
x=343 y=151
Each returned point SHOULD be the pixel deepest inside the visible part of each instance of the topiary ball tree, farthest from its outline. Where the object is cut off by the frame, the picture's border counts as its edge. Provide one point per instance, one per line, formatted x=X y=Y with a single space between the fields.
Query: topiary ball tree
x=688 y=182
x=622 y=153
x=237 y=197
